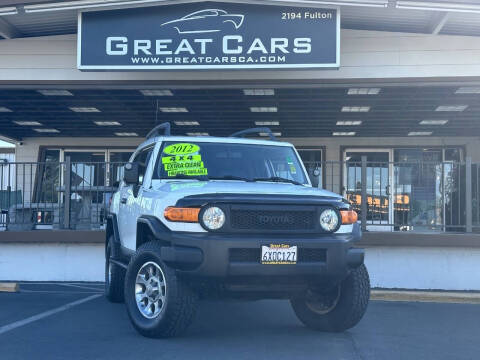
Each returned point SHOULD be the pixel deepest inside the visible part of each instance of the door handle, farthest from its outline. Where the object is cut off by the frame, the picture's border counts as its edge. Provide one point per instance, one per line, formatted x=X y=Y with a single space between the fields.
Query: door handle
x=123 y=200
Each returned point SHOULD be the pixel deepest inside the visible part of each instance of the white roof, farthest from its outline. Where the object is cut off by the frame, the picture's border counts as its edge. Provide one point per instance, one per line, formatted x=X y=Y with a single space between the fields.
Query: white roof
x=213 y=139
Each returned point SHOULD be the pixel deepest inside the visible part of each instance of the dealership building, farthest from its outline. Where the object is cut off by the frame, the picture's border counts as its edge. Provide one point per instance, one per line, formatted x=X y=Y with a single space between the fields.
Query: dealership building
x=380 y=97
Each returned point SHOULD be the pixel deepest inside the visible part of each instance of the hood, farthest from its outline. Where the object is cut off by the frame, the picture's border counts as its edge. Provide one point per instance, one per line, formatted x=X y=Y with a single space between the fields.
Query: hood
x=180 y=189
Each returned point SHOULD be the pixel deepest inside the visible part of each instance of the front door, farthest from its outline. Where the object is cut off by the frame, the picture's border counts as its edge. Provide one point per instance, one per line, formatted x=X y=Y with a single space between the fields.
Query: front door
x=379 y=185
x=131 y=200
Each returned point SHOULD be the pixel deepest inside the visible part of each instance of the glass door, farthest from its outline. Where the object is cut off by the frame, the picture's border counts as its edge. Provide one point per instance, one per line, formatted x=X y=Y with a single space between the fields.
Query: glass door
x=116 y=159
x=88 y=178
x=312 y=159
x=88 y=167
x=379 y=185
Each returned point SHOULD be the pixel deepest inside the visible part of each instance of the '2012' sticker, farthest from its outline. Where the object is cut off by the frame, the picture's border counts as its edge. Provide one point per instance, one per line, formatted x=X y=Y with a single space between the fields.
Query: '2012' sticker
x=181 y=149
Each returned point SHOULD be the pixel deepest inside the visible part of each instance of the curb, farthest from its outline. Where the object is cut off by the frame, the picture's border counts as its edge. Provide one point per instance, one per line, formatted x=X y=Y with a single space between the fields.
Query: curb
x=9 y=287
x=426 y=296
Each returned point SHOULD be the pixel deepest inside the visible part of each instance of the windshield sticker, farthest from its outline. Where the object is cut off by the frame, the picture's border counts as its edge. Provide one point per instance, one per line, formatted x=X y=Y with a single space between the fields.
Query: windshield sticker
x=184 y=165
x=181 y=149
x=293 y=170
x=190 y=165
x=189 y=172
x=180 y=158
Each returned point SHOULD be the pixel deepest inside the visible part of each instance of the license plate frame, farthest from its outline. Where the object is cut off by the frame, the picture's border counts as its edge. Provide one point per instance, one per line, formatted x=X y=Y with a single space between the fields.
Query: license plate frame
x=279 y=254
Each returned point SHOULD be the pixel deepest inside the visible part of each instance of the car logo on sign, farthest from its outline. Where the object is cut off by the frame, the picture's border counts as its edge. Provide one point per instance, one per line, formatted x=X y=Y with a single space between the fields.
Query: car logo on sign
x=206 y=21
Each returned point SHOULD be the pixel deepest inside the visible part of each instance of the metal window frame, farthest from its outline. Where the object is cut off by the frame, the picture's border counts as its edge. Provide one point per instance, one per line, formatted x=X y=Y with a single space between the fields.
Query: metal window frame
x=389 y=151
x=437 y=6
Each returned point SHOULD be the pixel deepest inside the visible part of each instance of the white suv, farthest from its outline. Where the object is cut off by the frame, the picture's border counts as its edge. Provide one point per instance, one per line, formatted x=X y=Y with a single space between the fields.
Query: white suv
x=202 y=217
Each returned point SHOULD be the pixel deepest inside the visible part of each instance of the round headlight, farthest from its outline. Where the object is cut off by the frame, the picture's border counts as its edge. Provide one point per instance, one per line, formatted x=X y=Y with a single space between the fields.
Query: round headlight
x=329 y=220
x=213 y=218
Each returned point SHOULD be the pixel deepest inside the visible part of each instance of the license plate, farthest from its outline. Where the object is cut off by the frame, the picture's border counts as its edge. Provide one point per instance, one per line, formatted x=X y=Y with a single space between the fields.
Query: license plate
x=279 y=254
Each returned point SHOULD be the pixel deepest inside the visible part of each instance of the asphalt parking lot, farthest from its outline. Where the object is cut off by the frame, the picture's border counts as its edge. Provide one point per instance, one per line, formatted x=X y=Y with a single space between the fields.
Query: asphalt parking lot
x=74 y=321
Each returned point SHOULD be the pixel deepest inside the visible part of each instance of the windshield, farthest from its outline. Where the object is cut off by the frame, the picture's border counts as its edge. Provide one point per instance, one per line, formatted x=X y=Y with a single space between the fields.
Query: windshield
x=226 y=161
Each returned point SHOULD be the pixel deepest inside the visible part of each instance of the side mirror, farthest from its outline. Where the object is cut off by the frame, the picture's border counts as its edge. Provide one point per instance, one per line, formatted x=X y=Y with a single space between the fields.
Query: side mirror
x=130 y=173
x=316 y=172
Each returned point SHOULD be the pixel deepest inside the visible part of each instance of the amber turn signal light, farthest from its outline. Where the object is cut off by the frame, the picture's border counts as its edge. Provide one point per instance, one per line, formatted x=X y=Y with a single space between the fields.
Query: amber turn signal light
x=179 y=214
x=349 y=216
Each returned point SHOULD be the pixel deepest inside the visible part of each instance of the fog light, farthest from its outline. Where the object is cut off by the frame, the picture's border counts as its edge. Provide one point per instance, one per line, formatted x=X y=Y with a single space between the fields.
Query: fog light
x=329 y=220
x=213 y=218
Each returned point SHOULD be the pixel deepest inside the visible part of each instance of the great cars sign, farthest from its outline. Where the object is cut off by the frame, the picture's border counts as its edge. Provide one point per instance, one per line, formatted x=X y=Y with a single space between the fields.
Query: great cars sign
x=209 y=35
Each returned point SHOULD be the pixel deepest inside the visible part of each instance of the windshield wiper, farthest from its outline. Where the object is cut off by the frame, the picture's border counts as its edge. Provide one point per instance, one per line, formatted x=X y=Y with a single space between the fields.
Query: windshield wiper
x=229 y=177
x=233 y=177
x=278 y=179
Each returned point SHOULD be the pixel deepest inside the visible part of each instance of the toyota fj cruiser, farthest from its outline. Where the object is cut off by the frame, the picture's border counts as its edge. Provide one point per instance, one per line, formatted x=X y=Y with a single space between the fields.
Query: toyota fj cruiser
x=203 y=217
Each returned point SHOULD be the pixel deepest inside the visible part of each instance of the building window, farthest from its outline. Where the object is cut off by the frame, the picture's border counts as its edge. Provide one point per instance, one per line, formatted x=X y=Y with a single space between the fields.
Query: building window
x=117 y=159
x=408 y=188
x=88 y=174
x=48 y=180
x=428 y=185
x=312 y=159
x=94 y=176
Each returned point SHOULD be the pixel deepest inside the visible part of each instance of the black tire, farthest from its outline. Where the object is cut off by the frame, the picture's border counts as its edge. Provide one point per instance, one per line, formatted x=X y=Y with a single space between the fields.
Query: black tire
x=180 y=304
x=114 y=282
x=347 y=309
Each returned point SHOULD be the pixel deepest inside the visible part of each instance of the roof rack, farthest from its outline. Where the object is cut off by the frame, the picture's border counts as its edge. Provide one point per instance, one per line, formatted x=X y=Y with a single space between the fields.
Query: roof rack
x=156 y=130
x=255 y=131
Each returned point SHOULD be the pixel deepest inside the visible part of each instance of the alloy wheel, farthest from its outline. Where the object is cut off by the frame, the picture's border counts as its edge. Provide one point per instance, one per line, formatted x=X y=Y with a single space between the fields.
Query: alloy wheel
x=150 y=290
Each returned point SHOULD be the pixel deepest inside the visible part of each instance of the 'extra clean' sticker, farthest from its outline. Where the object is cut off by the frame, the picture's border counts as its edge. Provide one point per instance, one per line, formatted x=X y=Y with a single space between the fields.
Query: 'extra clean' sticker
x=181 y=149
x=184 y=165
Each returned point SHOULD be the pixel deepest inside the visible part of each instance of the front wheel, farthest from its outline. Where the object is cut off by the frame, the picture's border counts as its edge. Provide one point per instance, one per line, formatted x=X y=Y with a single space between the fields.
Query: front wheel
x=159 y=304
x=336 y=309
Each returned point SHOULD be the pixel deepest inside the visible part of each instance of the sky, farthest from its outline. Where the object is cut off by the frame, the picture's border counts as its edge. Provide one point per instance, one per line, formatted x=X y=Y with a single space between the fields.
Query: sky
x=5 y=144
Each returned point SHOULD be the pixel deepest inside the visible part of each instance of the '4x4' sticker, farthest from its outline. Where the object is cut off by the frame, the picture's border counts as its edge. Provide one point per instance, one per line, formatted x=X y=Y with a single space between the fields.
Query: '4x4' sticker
x=180 y=158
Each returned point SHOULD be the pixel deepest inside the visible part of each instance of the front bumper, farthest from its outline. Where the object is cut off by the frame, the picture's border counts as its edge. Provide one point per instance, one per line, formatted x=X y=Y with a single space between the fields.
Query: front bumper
x=216 y=255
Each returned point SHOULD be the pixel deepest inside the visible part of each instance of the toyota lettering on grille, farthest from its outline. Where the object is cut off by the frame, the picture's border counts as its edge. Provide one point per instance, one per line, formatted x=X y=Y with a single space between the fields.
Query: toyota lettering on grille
x=275 y=219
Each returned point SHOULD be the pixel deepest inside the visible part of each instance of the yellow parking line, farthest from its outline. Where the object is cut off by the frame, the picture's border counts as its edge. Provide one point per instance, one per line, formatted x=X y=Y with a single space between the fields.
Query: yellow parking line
x=9 y=287
x=426 y=296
